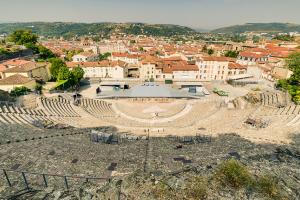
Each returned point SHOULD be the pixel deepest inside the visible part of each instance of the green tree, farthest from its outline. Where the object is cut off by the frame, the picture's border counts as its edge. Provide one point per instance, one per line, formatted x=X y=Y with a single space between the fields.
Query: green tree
x=104 y=56
x=56 y=64
x=63 y=73
x=238 y=38
x=22 y=37
x=292 y=85
x=33 y=47
x=77 y=75
x=3 y=51
x=210 y=52
x=231 y=54
x=255 y=39
x=71 y=53
x=293 y=63
x=29 y=40
x=18 y=91
x=287 y=38
x=45 y=53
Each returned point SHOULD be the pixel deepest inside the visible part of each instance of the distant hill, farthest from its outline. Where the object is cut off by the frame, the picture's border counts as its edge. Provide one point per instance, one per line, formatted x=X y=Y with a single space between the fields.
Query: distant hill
x=259 y=27
x=72 y=29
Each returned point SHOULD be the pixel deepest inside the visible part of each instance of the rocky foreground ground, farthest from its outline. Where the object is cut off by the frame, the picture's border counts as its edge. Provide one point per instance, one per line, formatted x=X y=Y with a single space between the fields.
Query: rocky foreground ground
x=225 y=167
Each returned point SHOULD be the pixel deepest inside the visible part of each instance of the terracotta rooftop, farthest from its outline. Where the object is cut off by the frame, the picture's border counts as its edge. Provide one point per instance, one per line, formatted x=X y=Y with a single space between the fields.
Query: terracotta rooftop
x=24 y=68
x=217 y=59
x=233 y=65
x=16 y=79
x=16 y=62
x=2 y=67
x=168 y=68
x=125 y=55
x=253 y=55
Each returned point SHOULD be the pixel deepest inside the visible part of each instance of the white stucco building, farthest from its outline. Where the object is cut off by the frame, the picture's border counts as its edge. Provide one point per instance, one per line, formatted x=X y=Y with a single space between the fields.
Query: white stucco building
x=103 y=69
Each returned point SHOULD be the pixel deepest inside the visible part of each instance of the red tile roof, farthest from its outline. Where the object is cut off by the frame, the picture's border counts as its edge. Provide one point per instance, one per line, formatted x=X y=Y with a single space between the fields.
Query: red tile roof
x=2 y=68
x=233 y=65
x=124 y=55
x=217 y=59
x=252 y=55
x=25 y=67
x=16 y=62
x=168 y=67
x=16 y=79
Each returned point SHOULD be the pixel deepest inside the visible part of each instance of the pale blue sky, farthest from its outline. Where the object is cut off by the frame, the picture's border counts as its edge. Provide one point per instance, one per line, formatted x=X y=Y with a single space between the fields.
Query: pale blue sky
x=194 y=13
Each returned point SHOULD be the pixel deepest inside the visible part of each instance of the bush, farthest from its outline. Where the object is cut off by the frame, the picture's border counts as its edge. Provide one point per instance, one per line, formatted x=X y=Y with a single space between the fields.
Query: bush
x=231 y=54
x=3 y=51
x=18 y=91
x=268 y=187
x=162 y=191
x=234 y=174
x=197 y=188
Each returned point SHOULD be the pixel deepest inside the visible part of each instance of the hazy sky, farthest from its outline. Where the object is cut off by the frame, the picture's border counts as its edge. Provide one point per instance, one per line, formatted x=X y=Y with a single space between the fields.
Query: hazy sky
x=195 y=13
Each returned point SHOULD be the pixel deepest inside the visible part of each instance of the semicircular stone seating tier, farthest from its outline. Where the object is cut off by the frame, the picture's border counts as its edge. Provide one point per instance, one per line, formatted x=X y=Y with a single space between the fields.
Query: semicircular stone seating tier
x=191 y=114
x=97 y=108
x=287 y=115
x=58 y=107
x=22 y=116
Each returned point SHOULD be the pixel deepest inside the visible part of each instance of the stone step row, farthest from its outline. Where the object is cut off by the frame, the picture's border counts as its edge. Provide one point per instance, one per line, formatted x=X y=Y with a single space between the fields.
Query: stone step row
x=97 y=107
x=56 y=108
x=20 y=110
x=22 y=119
x=272 y=99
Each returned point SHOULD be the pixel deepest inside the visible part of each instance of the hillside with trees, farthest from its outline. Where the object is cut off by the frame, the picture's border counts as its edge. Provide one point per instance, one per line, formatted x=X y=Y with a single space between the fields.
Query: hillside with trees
x=259 y=27
x=59 y=29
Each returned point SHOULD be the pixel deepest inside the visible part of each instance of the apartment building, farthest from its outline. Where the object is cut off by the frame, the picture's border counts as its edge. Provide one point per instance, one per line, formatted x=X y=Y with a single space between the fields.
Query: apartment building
x=103 y=69
x=218 y=68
